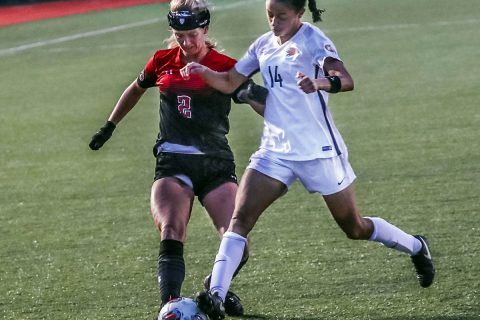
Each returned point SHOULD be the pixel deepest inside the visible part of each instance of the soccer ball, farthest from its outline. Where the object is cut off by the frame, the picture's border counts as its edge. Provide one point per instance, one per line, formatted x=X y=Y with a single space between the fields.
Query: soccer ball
x=181 y=309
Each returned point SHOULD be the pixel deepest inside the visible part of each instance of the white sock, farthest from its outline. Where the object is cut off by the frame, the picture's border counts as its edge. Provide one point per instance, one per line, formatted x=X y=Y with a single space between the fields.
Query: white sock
x=393 y=237
x=226 y=262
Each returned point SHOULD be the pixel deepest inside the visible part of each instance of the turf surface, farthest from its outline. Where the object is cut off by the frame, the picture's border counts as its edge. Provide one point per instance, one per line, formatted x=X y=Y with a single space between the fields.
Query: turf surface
x=76 y=237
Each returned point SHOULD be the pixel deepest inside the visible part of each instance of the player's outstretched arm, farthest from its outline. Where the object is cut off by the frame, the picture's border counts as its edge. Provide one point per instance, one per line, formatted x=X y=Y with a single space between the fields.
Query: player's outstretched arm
x=225 y=82
x=127 y=101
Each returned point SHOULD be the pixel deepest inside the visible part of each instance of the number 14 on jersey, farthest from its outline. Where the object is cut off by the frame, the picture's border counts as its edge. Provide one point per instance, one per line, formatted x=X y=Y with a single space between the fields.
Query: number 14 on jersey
x=274 y=76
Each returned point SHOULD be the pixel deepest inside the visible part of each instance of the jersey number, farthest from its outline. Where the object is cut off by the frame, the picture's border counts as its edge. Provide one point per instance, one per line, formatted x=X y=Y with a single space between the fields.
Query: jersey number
x=275 y=76
x=184 y=106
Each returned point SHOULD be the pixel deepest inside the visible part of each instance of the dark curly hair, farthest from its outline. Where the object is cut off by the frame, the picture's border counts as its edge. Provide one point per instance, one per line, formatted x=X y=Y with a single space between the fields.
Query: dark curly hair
x=298 y=5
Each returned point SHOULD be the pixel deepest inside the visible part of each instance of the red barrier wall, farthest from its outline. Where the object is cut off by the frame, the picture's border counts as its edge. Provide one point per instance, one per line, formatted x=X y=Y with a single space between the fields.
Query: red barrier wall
x=31 y=12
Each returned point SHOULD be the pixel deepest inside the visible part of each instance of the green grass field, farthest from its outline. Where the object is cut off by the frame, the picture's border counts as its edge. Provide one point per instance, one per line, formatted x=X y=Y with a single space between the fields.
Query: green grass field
x=76 y=237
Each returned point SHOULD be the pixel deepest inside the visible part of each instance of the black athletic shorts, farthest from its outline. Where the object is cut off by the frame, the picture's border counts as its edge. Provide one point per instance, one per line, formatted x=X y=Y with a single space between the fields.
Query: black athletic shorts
x=205 y=172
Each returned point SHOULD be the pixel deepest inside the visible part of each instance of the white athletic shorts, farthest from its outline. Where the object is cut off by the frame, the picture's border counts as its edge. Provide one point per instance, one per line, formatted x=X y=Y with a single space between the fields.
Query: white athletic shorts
x=323 y=175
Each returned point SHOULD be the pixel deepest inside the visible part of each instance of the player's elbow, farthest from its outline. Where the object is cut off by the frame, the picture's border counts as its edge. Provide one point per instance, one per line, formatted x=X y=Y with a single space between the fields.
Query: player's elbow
x=230 y=86
x=232 y=80
x=347 y=84
x=136 y=89
x=228 y=90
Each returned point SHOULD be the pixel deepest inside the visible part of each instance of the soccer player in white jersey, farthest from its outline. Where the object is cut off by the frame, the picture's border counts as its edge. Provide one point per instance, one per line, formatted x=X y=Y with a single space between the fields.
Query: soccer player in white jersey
x=300 y=67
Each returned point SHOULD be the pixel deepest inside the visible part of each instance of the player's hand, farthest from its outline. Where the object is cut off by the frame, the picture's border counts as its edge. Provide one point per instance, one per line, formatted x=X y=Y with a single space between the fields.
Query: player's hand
x=305 y=83
x=192 y=68
x=102 y=136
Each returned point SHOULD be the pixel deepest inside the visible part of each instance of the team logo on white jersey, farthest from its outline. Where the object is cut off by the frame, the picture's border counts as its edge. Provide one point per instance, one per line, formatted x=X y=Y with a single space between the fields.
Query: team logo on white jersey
x=292 y=52
x=330 y=48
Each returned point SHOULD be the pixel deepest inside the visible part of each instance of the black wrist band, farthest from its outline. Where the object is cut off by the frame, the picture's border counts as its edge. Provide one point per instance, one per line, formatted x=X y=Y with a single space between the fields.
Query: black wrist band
x=109 y=126
x=335 y=84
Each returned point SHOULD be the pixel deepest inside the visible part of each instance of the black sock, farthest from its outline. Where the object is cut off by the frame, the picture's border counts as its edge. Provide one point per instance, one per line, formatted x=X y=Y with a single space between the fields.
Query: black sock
x=171 y=269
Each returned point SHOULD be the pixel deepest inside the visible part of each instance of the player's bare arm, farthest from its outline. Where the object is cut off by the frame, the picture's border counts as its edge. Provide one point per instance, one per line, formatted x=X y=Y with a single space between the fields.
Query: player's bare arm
x=228 y=82
x=338 y=79
x=225 y=82
x=127 y=101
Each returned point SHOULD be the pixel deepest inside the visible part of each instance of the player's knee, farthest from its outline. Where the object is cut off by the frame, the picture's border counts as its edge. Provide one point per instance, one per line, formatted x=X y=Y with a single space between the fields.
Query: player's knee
x=172 y=230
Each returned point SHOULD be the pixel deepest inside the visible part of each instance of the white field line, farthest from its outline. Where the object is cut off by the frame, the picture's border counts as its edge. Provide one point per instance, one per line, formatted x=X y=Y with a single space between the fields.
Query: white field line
x=28 y=46
x=13 y=50
x=404 y=26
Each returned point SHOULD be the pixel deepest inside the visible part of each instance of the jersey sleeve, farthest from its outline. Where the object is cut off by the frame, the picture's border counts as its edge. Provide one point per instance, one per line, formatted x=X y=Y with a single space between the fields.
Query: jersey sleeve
x=249 y=64
x=148 y=78
x=324 y=48
x=221 y=62
x=230 y=64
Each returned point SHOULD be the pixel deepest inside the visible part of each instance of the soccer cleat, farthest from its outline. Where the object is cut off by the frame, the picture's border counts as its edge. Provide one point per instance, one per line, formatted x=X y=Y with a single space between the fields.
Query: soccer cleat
x=211 y=305
x=423 y=264
x=232 y=304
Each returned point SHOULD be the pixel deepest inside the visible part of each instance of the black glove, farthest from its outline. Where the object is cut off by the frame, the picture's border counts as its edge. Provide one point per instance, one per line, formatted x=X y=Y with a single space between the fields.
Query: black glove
x=102 y=136
x=250 y=90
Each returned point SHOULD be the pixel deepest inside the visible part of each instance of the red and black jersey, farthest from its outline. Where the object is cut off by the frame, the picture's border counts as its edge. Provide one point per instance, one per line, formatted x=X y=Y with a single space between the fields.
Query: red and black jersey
x=191 y=112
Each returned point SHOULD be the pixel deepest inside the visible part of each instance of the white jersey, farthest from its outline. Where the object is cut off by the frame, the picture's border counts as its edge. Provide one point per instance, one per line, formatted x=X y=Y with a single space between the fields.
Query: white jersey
x=297 y=126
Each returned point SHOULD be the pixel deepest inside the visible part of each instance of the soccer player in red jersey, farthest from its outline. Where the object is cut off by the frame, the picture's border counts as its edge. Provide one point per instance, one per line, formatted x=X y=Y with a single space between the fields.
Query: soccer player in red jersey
x=192 y=151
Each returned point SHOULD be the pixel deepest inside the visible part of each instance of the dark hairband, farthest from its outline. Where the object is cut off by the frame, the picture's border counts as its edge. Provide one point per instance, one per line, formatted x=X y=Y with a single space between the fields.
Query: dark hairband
x=187 y=20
